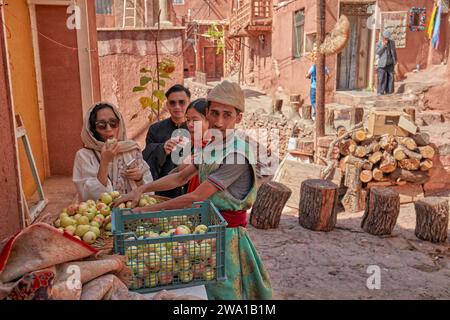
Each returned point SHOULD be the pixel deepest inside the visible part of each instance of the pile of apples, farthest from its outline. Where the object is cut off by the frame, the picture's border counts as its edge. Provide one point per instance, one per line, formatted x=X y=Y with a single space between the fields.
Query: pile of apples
x=144 y=201
x=85 y=220
x=171 y=261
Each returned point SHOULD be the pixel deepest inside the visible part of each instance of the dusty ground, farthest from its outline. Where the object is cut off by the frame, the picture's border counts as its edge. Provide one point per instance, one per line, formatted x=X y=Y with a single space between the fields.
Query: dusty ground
x=313 y=265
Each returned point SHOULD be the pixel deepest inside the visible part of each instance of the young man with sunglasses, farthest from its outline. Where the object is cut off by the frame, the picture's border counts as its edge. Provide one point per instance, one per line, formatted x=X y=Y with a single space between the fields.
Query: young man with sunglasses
x=159 y=141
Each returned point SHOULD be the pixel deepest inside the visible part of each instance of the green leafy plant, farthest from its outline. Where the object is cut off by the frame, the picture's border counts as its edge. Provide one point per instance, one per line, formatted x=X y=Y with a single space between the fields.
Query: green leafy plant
x=216 y=36
x=153 y=83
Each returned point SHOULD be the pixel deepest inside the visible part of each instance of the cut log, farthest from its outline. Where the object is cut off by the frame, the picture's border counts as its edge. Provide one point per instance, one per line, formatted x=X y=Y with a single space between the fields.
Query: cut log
x=377 y=174
x=347 y=147
x=415 y=177
x=407 y=142
x=388 y=142
x=375 y=157
x=329 y=119
x=367 y=165
x=426 y=165
x=277 y=106
x=422 y=139
x=381 y=212
x=356 y=116
x=366 y=176
x=380 y=184
x=432 y=219
x=399 y=153
x=307 y=112
x=427 y=152
x=388 y=163
x=361 y=151
x=270 y=201
x=409 y=164
x=318 y=205
x=352 y=180
x=359 y=135
x=352 y=200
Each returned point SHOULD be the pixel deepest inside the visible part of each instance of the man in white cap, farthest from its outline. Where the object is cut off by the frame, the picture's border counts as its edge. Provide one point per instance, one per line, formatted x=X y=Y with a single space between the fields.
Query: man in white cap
x=387 y=59
x=228 y=179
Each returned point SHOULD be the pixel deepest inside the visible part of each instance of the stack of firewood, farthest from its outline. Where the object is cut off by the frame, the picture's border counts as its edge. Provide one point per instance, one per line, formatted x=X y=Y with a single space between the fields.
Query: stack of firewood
x=382 y=161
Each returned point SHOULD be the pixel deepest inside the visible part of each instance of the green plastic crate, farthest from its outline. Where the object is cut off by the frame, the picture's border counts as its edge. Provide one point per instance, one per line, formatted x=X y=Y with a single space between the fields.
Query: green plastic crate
x=132 y=237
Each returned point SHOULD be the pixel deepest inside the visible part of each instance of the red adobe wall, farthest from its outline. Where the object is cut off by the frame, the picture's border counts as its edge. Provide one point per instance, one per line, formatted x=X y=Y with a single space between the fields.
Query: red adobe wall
x=201 y=11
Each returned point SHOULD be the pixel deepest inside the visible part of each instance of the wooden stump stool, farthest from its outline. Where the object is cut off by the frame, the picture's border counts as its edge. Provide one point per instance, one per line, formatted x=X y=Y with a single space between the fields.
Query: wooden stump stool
x=381 y=212
x=432 y=219
x=318 y=205
x=307 y=112
x=270 y=201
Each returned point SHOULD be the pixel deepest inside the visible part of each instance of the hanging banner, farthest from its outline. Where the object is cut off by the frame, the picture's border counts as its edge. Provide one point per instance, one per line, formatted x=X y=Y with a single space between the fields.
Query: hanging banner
x=396 y=22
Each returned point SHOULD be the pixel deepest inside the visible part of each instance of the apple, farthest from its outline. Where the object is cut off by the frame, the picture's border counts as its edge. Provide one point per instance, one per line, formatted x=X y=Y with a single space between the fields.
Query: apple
x=106 y=211
x=172 y=231
x=76 y=217
x=211 y=242
x=63 y=214
x=175 y=221
x=72 y=209
x=91 y=203
x=139 y=269
x=161 y=250
x=186 y=276
x=99 y=218
x=140 y=231
x=164 y=234
x=151 y=234
x=165 y=277
x=106 y=198
x=82 y=208
x=57 y=223
x=81 y=230
x=198 y=269
x=101 y=205
x=170 y=245
x=201 y=228
x=95 y=224
x=151 y=280
x=185 y=220
x=184 y=263
x=209 y=273
x=152 y=261
x=90 y=214
x=83 y=220
x=212 y=260
x=66 y=221
x=182 y=229
x=131 y=252
x=121 y=206
x=129 y=205
x=107 y=220
x=152 y=247
x=205 y=250
x=137 y=283
x=166 y=263
x=95 y=230
x=178 y=251
x=89 y=237
x=193 y=250
x=70 y=230
x=114 y=194
x=163 y=222
x=143 y=202
x=108 y=227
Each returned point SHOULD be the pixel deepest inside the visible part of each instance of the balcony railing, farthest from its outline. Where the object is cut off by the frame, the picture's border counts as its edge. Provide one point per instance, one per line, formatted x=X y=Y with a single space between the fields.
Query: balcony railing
x=252 y=15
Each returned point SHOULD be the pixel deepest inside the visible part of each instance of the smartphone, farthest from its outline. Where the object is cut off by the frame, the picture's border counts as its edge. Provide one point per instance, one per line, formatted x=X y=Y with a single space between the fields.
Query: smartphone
x=131 y=163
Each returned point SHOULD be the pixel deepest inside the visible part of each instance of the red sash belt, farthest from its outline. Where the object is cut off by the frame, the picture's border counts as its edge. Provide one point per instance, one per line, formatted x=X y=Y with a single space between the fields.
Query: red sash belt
x=235 y=218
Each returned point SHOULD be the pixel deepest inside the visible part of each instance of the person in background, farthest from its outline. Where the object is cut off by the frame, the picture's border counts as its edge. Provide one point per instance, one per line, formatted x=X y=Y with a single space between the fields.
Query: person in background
x=159 y=141
x=387 y=60
x=312 y=75
x=108 y=162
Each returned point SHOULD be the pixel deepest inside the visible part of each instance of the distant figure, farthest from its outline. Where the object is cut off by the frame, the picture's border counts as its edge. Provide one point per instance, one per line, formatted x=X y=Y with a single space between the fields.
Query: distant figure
x=387 y=59
x=312 y=74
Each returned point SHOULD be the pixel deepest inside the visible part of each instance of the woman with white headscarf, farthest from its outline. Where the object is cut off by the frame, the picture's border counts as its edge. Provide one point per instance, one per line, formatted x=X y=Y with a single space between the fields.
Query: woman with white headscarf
x=108 y=161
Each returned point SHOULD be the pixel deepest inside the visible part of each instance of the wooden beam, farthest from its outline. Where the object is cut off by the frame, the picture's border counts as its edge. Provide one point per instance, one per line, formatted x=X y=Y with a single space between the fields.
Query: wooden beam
x=320 y=71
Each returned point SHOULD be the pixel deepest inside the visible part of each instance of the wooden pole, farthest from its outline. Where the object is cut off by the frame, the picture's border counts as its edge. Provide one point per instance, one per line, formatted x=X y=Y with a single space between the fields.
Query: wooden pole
x=320 y=70
x=157 y=57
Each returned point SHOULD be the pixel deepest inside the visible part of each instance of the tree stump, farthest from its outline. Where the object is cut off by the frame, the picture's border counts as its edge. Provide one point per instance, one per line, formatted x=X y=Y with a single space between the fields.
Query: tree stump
x=356 y=116
x=381 y=212
x=432 y=219
x=277 y=106
x=270 y=201
x=329 y=119
x=307 y=112
x=318 y=205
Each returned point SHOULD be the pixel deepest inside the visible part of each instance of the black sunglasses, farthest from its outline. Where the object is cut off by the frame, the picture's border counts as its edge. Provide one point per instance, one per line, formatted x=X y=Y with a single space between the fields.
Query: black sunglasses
x=173 y=103
x=102 y=124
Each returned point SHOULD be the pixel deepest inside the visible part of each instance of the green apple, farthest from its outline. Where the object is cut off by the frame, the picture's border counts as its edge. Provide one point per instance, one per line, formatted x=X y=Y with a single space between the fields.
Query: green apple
x=82 y=208
x=95 y=224
x=70 y=229
x=170 y=245
x=209 y=273
x=166 y=263
x=82 y=229
x=151 y=280
x=105 y=211
x=106 y=198
x=63 y=215
x=131 y=252
x=143 y=202
x=95 y=230
x=114 y=194
x=91 y=203
x=108 y=227
x=186 y=276
x=66 y=221
x=90 y=214
x=89 y=237
x=205 y=250
x=164 y=234
x=161 y=250
x=83 y=220
x=201 y=228
x=139 y=269
x=140 y=231
x=193 y=250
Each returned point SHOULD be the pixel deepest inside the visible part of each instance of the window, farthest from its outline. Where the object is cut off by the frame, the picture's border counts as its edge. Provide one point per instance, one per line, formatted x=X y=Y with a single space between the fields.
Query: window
x=178 y=1
x=299 y=30
x=104 y=7
x=310 y=41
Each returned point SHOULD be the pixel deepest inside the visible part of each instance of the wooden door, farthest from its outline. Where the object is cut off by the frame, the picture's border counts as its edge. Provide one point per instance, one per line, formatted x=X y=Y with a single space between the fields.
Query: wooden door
x=213 y=63
x=354 y=61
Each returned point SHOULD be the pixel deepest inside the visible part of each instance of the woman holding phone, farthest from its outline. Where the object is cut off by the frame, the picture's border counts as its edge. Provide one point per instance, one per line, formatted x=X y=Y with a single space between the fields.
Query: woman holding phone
x=108 y=161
